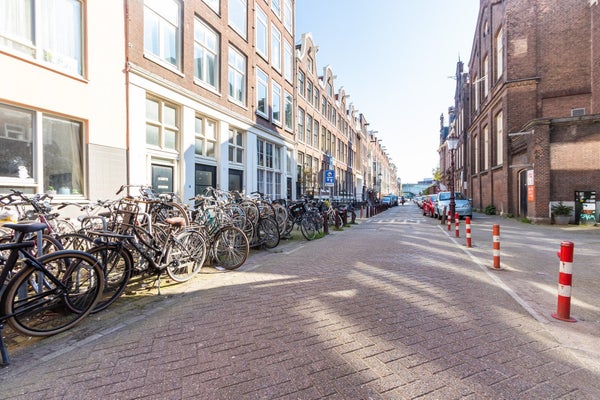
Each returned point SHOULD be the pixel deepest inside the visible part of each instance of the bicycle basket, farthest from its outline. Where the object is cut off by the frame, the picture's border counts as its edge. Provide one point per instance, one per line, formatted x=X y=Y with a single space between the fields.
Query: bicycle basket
x=297 y=209
x=125 y=216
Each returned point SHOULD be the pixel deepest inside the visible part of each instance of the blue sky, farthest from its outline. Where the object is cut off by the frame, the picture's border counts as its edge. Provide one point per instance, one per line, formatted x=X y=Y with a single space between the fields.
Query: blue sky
x=394 y=58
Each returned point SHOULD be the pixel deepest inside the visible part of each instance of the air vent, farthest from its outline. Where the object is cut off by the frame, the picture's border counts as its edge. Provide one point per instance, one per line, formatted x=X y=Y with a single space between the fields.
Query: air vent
x=577 y=112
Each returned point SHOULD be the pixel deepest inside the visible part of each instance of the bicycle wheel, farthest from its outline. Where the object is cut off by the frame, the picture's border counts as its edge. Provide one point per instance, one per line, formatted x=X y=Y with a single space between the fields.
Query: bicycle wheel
x=186 y=255
x=281 y=216
x=230 y=247
x=268 y=233
x=117 y=265
x=43 y=303
x=308 y=226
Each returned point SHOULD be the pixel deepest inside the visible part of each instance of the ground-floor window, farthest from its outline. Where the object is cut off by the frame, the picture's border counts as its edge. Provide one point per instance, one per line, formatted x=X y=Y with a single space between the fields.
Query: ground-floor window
x=58 y=153
x=269 y=168
x=236 y=180
x=162 y=178
x=205 y=177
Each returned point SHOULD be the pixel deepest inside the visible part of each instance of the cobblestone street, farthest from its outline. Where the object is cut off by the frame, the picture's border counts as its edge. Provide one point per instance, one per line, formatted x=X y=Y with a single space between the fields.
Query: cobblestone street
x=394 y=307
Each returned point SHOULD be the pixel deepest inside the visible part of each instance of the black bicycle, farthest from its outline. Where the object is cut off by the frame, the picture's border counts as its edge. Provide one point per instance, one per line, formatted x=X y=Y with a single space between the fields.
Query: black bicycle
x=47 y=294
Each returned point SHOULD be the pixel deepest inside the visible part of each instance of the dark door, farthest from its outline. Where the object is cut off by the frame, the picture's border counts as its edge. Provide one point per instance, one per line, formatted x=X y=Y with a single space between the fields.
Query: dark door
x=236 y=180
x=162 y=178
x=206 y=176
x=523 y=193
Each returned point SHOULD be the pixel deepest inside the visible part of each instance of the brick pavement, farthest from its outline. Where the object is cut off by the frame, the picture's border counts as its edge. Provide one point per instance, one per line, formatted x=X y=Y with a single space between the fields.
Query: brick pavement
x=388 y=309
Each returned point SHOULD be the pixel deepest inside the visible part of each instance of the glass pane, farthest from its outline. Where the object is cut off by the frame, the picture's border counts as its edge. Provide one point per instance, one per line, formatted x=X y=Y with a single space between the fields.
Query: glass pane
x=210 y=149
x=63 y=155
x=170 y=139
x=152 y=108
x=198 y=147
x=238 y=139
x=152 y=135
x=239 y=155
x=210 y=130
x=16 y=143
x=170 y=117
x=60 y=33
x=198 y=126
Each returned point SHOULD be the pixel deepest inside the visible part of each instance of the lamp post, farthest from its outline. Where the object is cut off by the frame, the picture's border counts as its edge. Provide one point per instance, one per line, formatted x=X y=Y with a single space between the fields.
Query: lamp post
x=452 y=141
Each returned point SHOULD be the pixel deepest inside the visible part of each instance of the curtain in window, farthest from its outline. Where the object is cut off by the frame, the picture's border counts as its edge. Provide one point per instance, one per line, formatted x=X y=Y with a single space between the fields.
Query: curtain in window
x=60 y=33
x=15 y=21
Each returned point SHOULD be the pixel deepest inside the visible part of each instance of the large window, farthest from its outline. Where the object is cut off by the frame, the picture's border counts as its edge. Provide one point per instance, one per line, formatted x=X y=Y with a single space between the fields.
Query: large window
x=300 y=125
x=262 y=100
x=162 y=30
x=61 y=153
x=301 y=83
x=49 y=31
x=276 y=7
x=206 y=137
x=275 y=48
x=289 y=107
x=206 y=54
x=237 y=11
x=276 y=105
x=236 y=146
x=288 y=61
x=499 y=139
x=237 y=76
x=214 y=4
x=499 y=54
x=486 y=148
x=269 y=169
x=309 y=126
x=162 y=125
x=486 y=67
x=262 y=33
x=287 y=15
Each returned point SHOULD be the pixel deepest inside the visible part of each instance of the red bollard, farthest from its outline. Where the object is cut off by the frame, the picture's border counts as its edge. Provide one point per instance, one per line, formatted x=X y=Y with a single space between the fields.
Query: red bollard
x=563 y=310
x=457 y=223
x=496 y=245
x=361 y=212
x=468 y=230
x=449 y=221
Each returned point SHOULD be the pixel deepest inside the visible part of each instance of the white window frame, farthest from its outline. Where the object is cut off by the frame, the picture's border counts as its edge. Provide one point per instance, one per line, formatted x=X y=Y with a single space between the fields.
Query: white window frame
x=276 y=7
x=288 y=61
x=238 y=16
x=236 y=76
x=499 y=139
x=288 y=111
x=207 y=41
x=262 y=33
x=486 y=148
x=275 y=48
x=168 y=17
x=165 y=129
x=49 y=32
x=262 y=93
x=301 y=122
x=202 y=128
x=499 y=54
x=276 y=103
x=236 y=146
x=214 y=5
x=288 y=16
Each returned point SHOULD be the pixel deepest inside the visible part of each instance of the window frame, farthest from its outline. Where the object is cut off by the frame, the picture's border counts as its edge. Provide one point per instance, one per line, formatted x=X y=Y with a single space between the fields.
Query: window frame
x=164 y=22
x=232 y=17
x=262 y=46
x=215 y=53
x=262 y=93
x=236 y=70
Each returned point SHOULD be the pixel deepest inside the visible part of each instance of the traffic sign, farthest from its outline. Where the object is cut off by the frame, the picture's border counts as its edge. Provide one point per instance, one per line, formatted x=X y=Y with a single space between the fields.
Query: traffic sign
x=329 y=177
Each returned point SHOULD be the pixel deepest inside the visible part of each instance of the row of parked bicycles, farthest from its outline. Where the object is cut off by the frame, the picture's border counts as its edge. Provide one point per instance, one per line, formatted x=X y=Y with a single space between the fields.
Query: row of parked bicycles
x=56 y=270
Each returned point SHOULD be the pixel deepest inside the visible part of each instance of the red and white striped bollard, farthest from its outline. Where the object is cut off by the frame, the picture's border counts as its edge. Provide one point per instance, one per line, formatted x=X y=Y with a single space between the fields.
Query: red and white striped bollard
x=563 y=310
x=468 y=230
x=449 y=221
x=457 y=225
x=496 y=245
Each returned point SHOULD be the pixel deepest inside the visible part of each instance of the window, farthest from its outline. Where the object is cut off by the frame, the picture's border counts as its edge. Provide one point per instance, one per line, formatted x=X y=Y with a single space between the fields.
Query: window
x=323 y=105
x=275 y=48
x=309 y=125
x=301 y=83
x=206 y=54
x=288 y=61
x=49 y=31
x=499 y=54
x=162 y=127
x=214 y=4
x=300 y=125
x=276 y=107
x=476 y=92
x=476 y=153
x=262 y=100
x=237 y=76
x=486 y=148
x=206 y=137
x=60 y=155
x=262 y=33
x=238 y=11
x=236 y=146
x=485 y=77
x=289 y=106
x=287 y=15
x=269 y=168
x=499 y=139
x=276 y=7
x=323 y=138
x=316 y=99
x=162 y=30
x=309 y=91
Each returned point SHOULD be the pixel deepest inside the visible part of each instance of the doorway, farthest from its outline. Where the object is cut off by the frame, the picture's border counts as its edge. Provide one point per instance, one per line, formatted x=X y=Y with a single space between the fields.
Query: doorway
x=205 y=177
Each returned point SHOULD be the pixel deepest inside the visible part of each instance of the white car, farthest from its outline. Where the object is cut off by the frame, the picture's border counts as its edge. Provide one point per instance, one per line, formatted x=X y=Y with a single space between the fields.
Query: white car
x=462 y=205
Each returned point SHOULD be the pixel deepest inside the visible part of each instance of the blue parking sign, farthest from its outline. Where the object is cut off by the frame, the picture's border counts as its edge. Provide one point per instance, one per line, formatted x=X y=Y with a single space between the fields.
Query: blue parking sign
x=329 y=177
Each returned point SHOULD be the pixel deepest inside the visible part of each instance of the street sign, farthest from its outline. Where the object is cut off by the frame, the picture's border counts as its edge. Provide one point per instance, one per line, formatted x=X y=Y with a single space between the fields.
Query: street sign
x=329 y=177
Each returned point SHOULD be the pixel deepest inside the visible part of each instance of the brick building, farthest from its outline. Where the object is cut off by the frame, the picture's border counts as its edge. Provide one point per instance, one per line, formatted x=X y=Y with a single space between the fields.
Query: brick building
x=532 y=136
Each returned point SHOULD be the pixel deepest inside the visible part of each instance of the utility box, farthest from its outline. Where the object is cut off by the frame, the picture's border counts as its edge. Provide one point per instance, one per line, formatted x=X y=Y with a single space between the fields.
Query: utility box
x=585 y=207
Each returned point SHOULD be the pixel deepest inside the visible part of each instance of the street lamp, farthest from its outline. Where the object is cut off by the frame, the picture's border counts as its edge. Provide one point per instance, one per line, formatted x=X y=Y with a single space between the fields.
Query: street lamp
x=452 y=141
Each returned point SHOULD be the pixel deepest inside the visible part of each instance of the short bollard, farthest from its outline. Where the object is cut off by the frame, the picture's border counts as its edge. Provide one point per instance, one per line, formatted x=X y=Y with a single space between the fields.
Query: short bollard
x=325 y=224
x=361 y=212
x=468 y=230
x=449 y=221
x=563 y=310
x=457 y=225
x=496 y=245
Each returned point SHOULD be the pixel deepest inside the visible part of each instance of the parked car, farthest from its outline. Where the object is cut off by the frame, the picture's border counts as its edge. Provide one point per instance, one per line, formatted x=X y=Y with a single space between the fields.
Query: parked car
x=429 y=205
x=462 y=205
x=386 y=201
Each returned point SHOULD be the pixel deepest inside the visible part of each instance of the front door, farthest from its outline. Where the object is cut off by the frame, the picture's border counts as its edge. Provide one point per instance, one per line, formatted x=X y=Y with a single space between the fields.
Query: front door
x=523 y=193
x=206 y=176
